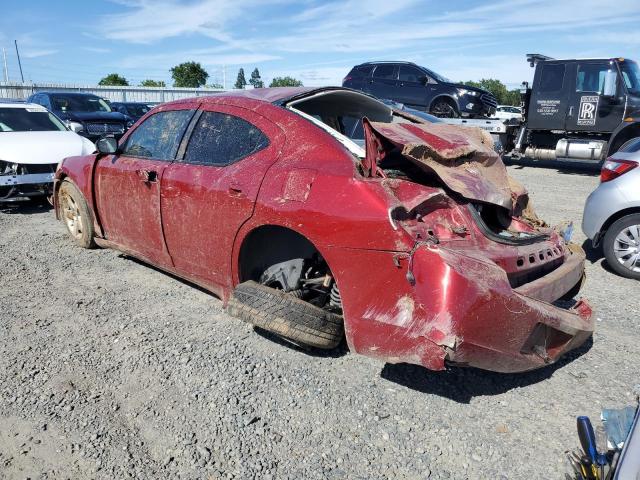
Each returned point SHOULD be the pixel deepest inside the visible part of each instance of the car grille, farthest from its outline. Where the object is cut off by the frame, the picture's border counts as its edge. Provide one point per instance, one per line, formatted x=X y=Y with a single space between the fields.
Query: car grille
x=489 y=100
x=104 y=128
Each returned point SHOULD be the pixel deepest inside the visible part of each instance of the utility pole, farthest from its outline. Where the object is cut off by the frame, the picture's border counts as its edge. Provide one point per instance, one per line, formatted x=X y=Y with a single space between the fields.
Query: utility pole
x=6 y=70
x=19 y=64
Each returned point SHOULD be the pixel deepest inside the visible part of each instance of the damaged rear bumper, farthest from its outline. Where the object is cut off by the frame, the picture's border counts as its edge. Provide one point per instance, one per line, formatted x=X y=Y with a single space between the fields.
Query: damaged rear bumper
x=462 y=310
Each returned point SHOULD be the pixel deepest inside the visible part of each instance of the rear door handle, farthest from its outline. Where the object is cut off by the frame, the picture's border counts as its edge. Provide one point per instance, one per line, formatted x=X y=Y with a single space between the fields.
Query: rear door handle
x=148 y=176
x=236 y=191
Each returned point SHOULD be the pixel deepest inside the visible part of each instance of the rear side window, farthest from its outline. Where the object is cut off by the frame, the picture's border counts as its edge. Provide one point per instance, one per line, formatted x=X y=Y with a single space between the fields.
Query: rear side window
x=385 y=71
x=361 y=71
x=551 y=78
x=159 y=135
x=221 y=139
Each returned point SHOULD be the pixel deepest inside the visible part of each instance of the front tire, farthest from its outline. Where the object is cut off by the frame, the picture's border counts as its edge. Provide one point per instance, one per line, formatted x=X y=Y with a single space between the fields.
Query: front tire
x=444 y=108
x=621 y=246
x=75 y=214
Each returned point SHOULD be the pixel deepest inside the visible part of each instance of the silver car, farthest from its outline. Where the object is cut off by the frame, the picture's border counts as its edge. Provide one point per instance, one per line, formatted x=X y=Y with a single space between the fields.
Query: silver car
x=612 y=212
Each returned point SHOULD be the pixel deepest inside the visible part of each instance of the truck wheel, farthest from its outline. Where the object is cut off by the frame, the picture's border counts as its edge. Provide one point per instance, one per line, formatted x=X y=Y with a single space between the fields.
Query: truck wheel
x=444 y=108
x=621 y=246
x=74 y=213
x=285 y=315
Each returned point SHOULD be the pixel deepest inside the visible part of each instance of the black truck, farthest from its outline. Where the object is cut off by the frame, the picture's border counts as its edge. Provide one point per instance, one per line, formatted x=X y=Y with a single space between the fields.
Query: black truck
x=577 y=109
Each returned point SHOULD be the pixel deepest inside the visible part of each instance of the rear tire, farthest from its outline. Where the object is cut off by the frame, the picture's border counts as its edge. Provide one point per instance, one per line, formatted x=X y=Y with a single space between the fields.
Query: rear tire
x=285 y=315
x=621 y=246
x=75 y=214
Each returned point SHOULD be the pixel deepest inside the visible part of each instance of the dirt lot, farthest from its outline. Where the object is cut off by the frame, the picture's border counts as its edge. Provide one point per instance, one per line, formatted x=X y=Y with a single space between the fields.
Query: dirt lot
x=111 y=369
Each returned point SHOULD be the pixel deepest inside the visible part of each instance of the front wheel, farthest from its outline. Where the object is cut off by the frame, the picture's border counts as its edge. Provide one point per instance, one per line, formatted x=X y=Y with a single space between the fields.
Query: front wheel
x=621 y=246
x=75 y=214
x=444 y=109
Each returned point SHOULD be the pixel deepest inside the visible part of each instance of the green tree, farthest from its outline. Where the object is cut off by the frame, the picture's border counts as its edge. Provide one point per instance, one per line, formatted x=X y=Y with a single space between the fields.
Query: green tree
x=152 y=83
x=498 y=89
x=114 y=79
x=255 y=80
x=241 y=82
x=285 y=82
x=189 y=74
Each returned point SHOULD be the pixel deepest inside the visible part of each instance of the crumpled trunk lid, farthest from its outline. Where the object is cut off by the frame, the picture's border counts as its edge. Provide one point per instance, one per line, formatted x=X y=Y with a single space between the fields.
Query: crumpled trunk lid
x=461 y=157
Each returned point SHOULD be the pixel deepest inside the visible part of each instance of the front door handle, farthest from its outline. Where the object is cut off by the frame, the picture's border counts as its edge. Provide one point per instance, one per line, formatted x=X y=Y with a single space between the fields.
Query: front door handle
x=147 y=176
x=236 y=191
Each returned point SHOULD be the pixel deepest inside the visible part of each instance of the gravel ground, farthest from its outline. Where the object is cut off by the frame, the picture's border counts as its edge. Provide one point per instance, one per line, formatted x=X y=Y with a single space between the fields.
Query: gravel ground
x=111 y=369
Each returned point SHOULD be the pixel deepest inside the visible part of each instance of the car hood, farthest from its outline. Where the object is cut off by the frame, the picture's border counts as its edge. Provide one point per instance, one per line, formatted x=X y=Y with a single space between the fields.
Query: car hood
x=42 y=147
x=462 y=158
x=467 y=87
x=92 y=116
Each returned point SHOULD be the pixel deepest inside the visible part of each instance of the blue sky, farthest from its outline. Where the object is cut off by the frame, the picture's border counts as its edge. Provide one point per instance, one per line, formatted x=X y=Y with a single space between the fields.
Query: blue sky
x=316 y=41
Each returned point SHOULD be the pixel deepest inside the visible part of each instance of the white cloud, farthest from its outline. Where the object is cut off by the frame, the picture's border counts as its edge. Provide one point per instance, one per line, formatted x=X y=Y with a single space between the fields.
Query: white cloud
x=35 y=53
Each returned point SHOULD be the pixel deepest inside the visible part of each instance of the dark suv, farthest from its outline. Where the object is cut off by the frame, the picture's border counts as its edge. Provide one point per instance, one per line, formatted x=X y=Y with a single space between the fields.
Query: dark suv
x=420 y=88
x=86 y=114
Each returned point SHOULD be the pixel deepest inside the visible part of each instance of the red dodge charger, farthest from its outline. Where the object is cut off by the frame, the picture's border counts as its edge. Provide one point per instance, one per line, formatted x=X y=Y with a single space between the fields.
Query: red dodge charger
x=320 y=214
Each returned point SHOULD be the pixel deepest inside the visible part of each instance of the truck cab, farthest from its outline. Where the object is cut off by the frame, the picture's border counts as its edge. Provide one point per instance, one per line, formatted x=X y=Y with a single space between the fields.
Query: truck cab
x=580 y=109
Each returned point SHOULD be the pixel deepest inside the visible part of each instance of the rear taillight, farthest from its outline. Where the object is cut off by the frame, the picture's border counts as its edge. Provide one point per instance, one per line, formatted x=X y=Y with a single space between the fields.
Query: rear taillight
x=613 y=168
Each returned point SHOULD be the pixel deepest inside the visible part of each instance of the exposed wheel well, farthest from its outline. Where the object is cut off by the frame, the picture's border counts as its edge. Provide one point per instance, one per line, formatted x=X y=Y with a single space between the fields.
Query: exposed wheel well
x=623 y=136
x=268 y=245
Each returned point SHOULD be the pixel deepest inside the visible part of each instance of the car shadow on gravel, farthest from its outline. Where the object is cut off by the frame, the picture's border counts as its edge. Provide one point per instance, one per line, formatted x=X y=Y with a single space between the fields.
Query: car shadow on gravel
x=25 y=208
x=341 y=350
x=594 y=255
x=462 y=384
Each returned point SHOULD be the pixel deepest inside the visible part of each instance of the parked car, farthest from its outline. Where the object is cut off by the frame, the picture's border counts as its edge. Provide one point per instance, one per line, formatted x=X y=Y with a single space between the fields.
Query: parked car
x=420 y=88
x=86 y=114
x=134 y=110
x=418 y=247
x=32 y=143
x=508 y=112
x=612 y=212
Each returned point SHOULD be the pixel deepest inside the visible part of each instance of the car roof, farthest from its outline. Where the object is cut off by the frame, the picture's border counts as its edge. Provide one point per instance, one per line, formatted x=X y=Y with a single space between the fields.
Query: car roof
x=69 y=94
x=21 y=105
x=275 y=95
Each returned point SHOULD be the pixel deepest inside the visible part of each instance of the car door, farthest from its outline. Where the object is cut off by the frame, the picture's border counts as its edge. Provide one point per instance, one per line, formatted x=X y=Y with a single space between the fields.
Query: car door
x=549 y=97
x=412 y=90
x=210 y=191
x=384 y=82
x=127 y=184
x=589 y=110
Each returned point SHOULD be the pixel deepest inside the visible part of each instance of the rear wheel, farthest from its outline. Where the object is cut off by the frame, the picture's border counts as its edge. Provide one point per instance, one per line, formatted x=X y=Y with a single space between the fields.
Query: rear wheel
x=444 y=108
x=74 y=213
x=621 y=246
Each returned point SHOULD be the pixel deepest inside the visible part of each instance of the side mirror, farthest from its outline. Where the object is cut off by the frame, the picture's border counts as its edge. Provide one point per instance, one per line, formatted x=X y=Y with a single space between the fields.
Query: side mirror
x=425 y=80
x=107 y=145
x=610 y=84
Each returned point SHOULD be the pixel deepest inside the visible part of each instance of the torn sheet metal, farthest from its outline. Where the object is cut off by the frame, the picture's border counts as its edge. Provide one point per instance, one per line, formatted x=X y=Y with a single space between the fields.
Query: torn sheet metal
x=462 y=157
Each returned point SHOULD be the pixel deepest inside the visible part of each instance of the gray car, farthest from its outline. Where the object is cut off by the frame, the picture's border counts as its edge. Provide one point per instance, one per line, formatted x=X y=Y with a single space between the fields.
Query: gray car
x=612 y=212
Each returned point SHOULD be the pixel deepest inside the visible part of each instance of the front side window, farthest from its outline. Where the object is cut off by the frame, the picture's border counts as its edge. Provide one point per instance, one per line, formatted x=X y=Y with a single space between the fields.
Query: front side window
x=221 y=139
x=410 y=74
x=551 y=78
x=28 y=120
x=591 y=77
x=79 y=103
x=386 y=72
x=159 y=135
x=631 y=76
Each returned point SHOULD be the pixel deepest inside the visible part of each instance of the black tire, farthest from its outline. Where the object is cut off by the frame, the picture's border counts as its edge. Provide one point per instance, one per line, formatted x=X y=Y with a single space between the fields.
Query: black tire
x=286 y=315
x=75 y=215
x=444 y=108
x=610 y=244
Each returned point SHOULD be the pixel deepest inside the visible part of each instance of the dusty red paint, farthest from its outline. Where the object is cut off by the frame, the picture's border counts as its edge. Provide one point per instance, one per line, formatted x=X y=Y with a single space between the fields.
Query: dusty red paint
x=420 y=289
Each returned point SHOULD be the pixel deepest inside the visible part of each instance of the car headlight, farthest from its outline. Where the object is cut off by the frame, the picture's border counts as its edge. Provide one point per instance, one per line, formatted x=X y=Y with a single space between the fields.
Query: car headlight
x=464 y=91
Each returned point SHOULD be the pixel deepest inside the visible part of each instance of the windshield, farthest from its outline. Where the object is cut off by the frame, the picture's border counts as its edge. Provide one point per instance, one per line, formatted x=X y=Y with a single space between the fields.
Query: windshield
x=29 y=120
x=137 y=110
x=438 y=77
x=631 y=76
x=79 y=103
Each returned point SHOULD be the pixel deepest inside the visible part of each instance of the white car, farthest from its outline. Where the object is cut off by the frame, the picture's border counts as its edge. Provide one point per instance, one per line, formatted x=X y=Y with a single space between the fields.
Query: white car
x=507 y=112
x=32 y=143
